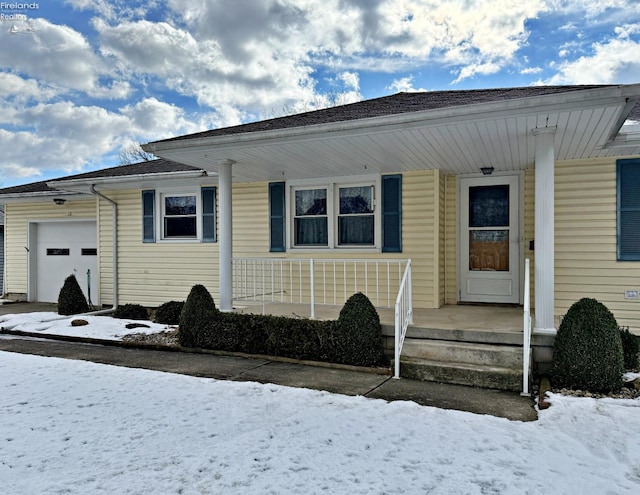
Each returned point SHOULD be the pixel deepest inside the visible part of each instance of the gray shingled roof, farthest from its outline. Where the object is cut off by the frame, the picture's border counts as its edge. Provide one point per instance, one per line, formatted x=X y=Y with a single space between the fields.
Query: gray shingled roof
x=391 y=105
x=143 y=168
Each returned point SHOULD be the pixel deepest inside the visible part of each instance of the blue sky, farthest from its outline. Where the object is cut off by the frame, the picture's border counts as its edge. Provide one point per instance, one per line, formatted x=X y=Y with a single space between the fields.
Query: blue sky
x=82 y=79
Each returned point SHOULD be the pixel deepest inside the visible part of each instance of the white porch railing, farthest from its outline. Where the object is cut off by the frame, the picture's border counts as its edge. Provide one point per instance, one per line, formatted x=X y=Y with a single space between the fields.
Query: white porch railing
x=316 y=281
x=526 y=329
x=387 y=283
x=403 y=316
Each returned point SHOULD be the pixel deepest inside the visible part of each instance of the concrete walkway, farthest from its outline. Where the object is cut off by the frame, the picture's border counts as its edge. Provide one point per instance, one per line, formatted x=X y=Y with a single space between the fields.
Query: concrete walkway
x=336 y=379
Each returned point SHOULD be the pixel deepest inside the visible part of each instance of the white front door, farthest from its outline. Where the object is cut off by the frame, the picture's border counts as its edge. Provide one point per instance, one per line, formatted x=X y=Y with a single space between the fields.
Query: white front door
x=63 y=249
x=489 y=239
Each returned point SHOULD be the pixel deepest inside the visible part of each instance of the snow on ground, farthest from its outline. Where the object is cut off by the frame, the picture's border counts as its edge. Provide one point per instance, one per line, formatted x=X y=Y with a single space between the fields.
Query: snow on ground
x=99 y=327
x=78 y=427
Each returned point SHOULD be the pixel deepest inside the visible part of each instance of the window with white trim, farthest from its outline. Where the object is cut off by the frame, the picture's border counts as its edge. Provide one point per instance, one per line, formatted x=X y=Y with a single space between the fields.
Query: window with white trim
x=334 y=215
x=179 y=216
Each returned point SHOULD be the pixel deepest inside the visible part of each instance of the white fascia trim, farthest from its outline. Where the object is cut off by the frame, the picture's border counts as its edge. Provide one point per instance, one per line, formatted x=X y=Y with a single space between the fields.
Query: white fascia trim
x=31 y=197
x=539 y=104
x=71 y=184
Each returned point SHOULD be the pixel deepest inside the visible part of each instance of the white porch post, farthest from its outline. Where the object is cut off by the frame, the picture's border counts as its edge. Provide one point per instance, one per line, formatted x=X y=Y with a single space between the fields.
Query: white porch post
x=225 y=242
x=544 y=230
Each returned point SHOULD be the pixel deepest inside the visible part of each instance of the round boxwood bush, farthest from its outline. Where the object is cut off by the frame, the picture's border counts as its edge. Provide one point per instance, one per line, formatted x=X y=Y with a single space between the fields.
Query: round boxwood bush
x=131 y=312
x=169 y=313
x=198 y=310
x=71 y=300
x=587 y=352
x=358 y=333
x=630 y=349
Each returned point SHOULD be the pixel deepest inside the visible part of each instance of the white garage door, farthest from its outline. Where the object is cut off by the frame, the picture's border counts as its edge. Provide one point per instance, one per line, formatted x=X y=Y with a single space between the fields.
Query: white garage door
x=65 y=248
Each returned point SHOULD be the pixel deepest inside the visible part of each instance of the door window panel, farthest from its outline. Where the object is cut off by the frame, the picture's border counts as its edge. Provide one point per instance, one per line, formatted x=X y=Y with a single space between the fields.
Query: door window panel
x=489 y=250
x=489 y=206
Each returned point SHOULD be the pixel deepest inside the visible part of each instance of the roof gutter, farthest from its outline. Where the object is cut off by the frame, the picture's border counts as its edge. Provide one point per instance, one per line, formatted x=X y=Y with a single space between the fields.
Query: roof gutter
x=69 y=184
x=114 y=209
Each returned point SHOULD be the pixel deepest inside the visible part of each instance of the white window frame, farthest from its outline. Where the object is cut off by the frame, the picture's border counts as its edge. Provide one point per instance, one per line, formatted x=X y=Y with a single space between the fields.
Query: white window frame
x=161 y=194
x=333 y=208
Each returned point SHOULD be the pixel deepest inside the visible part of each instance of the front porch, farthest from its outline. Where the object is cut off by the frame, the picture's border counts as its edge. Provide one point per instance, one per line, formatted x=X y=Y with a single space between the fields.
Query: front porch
x=478 y=345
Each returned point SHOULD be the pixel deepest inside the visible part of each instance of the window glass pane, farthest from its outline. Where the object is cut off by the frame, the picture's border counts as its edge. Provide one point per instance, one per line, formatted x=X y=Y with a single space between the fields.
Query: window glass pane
x=489 y=206
x=180 y=226
x=356 y=200
x=356 y=230
x=180 y=205
x=311 y=231
x=489 y=250
x=57 y=251
x=311 y=202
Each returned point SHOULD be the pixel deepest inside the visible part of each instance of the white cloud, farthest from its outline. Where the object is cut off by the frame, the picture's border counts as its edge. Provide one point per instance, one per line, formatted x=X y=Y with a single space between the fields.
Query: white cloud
x=154 y=119
x=614 y=61
x=531 y=70
x=404 y=84
x=58 y=56
x=22 y=90
x=257 y=55
x=472 y=70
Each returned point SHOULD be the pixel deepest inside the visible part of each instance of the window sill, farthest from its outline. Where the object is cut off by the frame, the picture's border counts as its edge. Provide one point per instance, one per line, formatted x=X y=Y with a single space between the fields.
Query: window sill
x=369 y=250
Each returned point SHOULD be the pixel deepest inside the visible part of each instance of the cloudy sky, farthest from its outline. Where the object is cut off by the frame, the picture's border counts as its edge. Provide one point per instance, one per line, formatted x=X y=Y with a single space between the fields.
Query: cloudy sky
x=82 y=79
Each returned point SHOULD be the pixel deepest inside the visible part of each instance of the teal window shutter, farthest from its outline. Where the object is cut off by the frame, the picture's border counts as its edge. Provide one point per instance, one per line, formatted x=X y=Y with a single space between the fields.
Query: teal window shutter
x=277 y=217
x=628 y=184
x=392 y=213
x=148 y=215
x=209 y=214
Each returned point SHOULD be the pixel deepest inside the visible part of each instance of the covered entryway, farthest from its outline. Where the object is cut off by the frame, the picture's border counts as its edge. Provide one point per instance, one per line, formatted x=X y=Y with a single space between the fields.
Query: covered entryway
x=62 y=249
x=489 y=239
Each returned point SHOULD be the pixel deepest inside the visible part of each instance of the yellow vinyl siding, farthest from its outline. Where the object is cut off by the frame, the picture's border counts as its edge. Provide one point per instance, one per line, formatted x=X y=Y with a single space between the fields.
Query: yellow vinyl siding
x=150 y=273
x=420 y=232
x=529 y=227
x=421 y=224
x=17 y=218
x=585 y=232
x=251 y=220
x=451 y=236
x=442 y=243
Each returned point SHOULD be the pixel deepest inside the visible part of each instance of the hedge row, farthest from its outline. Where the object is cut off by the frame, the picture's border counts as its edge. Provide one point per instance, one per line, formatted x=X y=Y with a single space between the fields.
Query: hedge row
x=355 y=338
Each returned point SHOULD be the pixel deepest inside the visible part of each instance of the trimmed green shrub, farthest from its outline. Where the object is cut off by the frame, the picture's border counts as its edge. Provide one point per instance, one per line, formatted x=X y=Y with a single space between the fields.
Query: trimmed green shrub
x=359 y=334
x=198 y=310
x=355 y=338
x=587 y=352
x=169 y=313
x=298 y=338
x=131 y=312
x=71 y=300
x=630 y=349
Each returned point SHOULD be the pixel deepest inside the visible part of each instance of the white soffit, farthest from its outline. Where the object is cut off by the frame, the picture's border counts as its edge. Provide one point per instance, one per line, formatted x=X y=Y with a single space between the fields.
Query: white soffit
x=458 y=144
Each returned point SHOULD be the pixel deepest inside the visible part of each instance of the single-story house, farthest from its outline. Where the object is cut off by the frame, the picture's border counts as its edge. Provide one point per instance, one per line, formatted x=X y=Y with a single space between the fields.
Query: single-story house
x=467 y=185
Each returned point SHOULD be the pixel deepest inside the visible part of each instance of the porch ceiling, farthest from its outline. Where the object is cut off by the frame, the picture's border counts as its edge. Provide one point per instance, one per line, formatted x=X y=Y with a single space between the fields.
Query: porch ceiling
x=456 y=141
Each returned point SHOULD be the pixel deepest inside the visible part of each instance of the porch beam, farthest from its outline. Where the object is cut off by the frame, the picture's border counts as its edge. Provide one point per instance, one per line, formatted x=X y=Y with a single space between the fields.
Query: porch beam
x=225 y=242
x=544 y=230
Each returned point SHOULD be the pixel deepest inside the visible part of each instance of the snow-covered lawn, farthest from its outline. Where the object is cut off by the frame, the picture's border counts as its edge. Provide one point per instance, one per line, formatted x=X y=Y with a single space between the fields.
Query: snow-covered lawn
x=99 y=327
x=78 y=427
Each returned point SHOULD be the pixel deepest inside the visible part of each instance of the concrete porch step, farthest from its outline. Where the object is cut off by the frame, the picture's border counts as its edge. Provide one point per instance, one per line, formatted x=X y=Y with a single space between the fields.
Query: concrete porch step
x=479 y=336
x=482 y=376
x=490 y=355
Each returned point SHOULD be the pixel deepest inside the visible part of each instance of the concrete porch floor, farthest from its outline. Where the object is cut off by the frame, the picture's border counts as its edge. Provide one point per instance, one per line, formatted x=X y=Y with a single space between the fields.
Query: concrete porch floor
x=506 y=319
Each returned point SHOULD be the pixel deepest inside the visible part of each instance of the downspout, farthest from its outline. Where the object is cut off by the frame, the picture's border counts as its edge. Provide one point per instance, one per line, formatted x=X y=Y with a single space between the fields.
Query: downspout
x=114 y=221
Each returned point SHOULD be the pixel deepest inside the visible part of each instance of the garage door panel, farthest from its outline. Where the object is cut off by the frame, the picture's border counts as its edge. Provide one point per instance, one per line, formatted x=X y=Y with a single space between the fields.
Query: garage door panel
x=65 y=248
